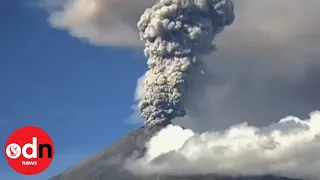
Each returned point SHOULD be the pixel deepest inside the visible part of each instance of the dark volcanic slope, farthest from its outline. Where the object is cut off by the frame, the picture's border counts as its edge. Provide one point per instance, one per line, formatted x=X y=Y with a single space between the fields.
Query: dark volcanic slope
x=106 y=166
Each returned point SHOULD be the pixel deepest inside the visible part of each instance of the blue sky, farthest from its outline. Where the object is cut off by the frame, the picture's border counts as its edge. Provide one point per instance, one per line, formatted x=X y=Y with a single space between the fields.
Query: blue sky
x=79 y=93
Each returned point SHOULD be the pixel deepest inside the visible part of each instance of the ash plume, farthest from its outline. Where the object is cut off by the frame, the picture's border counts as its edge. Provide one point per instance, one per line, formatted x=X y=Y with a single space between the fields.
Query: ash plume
x=176 y=34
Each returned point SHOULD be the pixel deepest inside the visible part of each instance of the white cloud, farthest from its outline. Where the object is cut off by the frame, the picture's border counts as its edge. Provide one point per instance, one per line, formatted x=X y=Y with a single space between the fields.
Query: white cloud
x=139 y=92
x=289 y=148
x=135 y=118
x=101 y=22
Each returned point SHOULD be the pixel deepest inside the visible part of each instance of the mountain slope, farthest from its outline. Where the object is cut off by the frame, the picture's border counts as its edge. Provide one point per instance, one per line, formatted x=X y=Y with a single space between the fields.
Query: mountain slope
x=107 y=164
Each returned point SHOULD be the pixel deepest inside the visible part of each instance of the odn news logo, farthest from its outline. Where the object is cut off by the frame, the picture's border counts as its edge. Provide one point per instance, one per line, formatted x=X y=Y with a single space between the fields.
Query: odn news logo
x=29 y=150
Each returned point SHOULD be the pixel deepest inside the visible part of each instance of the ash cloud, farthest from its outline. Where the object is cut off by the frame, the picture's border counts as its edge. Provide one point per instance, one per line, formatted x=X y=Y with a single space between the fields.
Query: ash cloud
x=176 y=34
x=266 y=67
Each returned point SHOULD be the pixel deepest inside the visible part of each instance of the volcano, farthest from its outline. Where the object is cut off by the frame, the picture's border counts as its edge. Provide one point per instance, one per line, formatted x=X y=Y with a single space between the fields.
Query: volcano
x=107 y=165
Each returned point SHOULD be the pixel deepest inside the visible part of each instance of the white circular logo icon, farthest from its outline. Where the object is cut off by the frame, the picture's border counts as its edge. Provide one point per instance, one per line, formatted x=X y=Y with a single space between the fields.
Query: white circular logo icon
x=13 y=151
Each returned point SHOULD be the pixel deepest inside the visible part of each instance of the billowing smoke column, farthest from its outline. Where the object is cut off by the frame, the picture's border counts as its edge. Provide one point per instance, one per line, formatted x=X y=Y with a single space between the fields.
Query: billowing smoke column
x=176 y=33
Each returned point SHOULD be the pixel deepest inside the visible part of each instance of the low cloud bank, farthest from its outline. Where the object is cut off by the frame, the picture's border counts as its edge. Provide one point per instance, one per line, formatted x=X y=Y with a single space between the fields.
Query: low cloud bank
x=289 y=148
